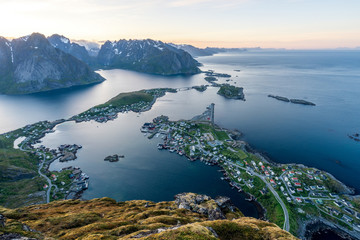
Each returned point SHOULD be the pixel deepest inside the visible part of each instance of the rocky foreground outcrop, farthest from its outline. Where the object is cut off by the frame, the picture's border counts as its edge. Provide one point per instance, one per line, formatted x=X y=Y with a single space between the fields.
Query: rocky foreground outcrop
x=214 y=209
x=188 y=217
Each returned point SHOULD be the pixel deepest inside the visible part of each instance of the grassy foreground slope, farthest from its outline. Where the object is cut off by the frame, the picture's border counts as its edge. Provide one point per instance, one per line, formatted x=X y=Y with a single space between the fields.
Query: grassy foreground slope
x=107 y=219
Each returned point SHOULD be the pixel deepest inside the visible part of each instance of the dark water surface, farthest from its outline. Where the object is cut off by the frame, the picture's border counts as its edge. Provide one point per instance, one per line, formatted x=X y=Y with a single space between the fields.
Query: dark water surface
x=314 y=136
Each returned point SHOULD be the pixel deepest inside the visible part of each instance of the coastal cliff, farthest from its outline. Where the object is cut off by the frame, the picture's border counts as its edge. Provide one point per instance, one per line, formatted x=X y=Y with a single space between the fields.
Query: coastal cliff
x=185 y=218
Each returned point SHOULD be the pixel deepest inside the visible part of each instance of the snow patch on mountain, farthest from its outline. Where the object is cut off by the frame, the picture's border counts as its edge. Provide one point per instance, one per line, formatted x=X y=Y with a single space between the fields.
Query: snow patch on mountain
x=65 y=40
x=25 y=38
x=11 y=50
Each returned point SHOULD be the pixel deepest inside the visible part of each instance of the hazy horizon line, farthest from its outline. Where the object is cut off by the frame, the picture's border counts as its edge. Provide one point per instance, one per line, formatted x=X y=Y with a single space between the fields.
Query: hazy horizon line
x=197 y=44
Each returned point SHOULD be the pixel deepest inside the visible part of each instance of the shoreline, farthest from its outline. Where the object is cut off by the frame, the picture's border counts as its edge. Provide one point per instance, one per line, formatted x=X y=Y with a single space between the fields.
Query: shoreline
x=350 y=191
x=315 y=225
x=177 y=131
x=318 y=223
x=261 y=210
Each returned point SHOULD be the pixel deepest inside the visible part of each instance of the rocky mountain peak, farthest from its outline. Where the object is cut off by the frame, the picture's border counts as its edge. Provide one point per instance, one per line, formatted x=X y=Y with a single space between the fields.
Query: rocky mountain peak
x=148 y=56
x=74 y=49
x=31 y=64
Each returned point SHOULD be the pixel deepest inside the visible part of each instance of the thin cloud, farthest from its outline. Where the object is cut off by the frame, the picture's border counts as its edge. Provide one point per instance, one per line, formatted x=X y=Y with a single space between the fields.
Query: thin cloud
x=216 y=3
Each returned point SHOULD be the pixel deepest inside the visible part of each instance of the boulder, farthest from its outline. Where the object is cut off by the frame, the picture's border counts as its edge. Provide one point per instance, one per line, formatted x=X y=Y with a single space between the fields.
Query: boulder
x=214 y=209
x=2 y=220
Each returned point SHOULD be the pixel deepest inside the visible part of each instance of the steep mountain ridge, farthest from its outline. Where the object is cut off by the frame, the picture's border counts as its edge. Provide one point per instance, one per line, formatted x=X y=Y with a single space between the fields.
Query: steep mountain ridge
x=74 y=49
x=35 y=63
x=6 y=58
x=31 y=64
x=147 y=56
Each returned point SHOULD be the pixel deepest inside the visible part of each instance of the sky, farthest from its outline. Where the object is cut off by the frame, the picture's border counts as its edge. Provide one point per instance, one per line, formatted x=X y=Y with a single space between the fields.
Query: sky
x=293 y=24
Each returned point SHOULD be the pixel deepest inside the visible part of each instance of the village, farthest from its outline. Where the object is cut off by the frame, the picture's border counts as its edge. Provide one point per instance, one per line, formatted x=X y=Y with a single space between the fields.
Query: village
x=68 y=183
x=140 y=101
x=301 y=191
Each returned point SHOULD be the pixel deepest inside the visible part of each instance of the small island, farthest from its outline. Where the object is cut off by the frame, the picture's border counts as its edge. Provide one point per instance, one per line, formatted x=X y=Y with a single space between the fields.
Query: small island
x=231 y=92
x=303 y=102
x=68 y=152
x=201 y=88
x=284 y=99
x=355 y=137
x=113 y=158
x=293 y=100
x=210 y=79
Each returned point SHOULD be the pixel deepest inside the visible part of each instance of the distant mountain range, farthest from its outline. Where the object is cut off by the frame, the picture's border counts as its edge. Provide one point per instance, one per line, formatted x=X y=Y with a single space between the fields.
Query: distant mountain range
x=147 y=56
x=209 y=51
x=31 y=64
x=35 y=63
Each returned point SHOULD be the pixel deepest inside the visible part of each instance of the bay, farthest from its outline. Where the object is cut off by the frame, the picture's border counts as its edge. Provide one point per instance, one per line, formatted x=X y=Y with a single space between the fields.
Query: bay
x=315 y=136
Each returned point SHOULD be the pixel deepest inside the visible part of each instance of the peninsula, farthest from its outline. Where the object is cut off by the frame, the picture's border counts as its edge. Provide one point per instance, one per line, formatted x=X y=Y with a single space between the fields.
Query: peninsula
x=291 y=194
x=138 y=101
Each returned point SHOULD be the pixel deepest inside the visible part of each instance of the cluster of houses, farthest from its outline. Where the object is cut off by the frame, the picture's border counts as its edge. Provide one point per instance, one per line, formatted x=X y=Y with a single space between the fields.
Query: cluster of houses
x=176 y=138
x=345 y=208
x=110 y=112
x=319 y=194
x=80 y=179
x=34 y=133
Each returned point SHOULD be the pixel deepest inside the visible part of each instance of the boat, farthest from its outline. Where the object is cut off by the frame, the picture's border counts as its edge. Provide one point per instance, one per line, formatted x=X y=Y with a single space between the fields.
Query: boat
x=85 y=185
x=250 y=199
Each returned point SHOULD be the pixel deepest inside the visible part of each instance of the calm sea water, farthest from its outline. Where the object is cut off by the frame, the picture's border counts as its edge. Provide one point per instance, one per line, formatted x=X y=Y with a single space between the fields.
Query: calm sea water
x=315 y=136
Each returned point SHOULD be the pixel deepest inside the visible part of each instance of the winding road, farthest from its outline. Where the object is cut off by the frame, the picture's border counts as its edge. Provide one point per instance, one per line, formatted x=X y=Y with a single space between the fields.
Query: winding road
x=39 y=171
x=283 y=206
x=286 y=225
x=47 y=179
